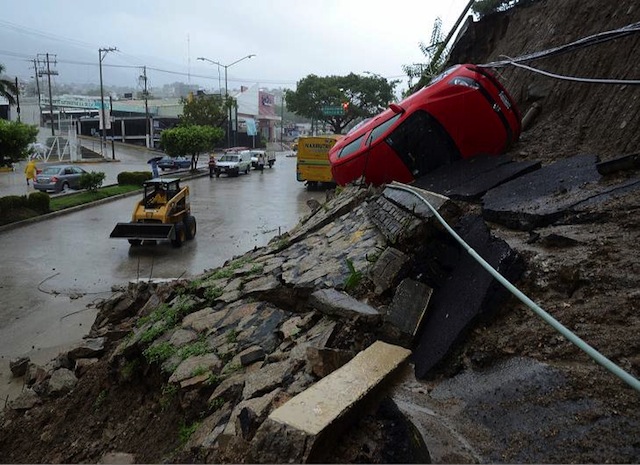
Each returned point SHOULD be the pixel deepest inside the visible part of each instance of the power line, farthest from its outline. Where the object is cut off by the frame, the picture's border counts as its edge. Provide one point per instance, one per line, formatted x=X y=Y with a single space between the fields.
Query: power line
x=46 y=35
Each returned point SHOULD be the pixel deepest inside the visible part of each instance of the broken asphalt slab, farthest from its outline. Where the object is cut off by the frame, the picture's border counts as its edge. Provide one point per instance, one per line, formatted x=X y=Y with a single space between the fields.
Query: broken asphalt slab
x=562 y=191
x=469 y=179
x=468 y=293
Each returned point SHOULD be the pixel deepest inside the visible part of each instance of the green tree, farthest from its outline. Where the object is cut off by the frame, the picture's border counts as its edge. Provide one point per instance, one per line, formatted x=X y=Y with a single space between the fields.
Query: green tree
x=8 y=88
x=364 y=96
x=14 y=141
x=203 y=110
x=486 y=7
x=190 y=140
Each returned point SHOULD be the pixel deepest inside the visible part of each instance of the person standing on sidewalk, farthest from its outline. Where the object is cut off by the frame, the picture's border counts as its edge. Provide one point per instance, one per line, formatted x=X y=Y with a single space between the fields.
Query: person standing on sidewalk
x=30 y=171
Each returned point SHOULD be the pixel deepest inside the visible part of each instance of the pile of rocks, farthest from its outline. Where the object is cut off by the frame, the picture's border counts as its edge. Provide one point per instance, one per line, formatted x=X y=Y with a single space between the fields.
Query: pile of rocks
x=240 y=341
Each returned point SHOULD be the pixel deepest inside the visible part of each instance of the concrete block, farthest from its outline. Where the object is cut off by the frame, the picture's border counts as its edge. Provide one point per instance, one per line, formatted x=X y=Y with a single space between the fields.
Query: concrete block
x=319 y=414
x=333 y=302
x=387 y=268
x=408 y=307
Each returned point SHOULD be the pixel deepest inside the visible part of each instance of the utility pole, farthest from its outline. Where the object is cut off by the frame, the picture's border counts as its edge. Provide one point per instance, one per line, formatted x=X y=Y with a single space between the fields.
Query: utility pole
x=17 y=99
x=226 y=92
x=147 y=131
x=282 y=122
x=101 y=54
x=35 y=70
x=113 y=133
x=48 y=72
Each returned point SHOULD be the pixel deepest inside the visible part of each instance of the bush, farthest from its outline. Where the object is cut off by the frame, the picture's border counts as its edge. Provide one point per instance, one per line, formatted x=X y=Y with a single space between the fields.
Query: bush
x=12 y=202
x=91 y=181
x=134 y=178
x=39 y=202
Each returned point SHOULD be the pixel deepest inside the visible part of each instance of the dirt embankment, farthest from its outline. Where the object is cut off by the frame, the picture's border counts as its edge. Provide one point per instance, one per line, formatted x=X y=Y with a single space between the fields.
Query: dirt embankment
x=576 y=117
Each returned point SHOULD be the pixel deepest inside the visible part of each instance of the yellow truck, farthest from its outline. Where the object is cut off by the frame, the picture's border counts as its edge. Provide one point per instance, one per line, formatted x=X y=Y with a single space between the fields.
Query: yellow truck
x=313 y=159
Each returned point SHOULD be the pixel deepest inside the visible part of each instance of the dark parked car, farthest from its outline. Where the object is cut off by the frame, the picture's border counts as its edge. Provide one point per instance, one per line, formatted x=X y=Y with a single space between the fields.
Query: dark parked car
x=58 y=178
x=462 y=113
x=173 y=163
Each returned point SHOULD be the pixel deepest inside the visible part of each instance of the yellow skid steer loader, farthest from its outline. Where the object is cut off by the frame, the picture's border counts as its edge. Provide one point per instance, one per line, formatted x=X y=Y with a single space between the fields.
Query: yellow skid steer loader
x=164 y=213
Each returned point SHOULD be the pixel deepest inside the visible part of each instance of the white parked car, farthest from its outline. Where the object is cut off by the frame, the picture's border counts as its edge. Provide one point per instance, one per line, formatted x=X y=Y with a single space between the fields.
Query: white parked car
x=233 y=163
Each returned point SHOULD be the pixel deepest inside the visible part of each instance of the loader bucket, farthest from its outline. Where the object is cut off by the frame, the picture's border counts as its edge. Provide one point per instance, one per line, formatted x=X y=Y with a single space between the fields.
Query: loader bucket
x=143 y=231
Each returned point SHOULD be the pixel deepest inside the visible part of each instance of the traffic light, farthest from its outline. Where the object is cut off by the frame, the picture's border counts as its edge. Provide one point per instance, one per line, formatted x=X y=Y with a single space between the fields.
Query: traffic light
x=345 y=106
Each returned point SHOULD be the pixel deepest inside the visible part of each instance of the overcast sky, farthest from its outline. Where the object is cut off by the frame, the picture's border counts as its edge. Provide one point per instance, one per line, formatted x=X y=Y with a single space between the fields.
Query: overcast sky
x=290 y=39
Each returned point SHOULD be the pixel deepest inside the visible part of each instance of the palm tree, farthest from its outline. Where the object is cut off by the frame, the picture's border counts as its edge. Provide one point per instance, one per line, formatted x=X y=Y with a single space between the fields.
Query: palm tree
x=8 y=89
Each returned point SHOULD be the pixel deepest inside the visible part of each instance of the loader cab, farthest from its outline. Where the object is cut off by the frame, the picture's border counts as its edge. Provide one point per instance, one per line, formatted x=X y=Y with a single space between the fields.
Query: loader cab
x=158 y=192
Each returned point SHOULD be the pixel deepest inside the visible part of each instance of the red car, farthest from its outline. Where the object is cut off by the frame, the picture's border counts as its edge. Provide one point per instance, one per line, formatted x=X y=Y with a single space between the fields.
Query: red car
x=462 y=113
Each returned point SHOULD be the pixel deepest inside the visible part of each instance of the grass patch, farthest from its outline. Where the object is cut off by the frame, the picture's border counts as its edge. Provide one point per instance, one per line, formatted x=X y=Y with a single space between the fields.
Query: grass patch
x=129 y=369
x=195 y=348
x=212 y=293
x=354 y=277
x=213 y=380
x=152 y=333
x=186 y=431
x=100 y=399
x=159 y=352
x=199 y=371
x=163 y=318
x=227 y=271
x=256 y=269
x=233 y=368
x=232 y=336
x=216 y=403
x=169 y=392
x=80 y=198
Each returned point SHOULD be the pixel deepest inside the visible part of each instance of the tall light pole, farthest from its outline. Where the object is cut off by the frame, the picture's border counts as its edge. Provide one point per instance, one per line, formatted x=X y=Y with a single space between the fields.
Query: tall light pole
x=102 y=53
x=226 y=89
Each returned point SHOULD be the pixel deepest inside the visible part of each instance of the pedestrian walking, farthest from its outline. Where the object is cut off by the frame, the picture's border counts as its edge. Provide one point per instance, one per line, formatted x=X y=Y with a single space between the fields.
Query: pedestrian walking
x=212 y=165
x=30 y=171
x=261 y=162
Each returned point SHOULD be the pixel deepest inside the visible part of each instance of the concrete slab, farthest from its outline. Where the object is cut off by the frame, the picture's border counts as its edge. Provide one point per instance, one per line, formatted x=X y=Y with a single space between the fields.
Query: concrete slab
x=319 y=412
x=469 y=292
x=318 y=407
x=470 y=179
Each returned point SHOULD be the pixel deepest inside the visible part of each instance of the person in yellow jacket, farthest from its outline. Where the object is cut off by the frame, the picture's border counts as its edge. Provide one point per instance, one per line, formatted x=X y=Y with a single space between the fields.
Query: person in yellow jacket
x=30 y=171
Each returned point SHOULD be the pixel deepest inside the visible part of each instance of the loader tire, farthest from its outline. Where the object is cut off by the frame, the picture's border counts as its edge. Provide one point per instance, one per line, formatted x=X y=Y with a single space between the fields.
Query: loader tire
x=181 y=235
x=190 y=226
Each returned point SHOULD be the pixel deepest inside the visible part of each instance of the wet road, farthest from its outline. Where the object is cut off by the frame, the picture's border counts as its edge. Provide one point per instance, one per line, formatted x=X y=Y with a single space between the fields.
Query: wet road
x=53 y=269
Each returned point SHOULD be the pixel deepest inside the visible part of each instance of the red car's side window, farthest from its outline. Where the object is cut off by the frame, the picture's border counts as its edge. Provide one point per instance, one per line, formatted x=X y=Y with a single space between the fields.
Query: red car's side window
x=351 y=148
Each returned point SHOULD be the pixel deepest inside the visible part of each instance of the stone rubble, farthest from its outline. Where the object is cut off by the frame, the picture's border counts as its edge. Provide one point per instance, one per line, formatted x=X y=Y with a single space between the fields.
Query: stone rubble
x=252 y=335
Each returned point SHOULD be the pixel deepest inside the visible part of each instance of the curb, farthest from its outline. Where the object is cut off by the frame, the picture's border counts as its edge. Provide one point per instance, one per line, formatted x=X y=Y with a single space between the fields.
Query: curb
x=48 y=216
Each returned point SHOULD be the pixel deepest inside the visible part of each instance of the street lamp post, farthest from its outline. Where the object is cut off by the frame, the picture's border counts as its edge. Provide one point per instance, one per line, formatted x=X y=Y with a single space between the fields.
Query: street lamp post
x=226 y=89
x=102 y=53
